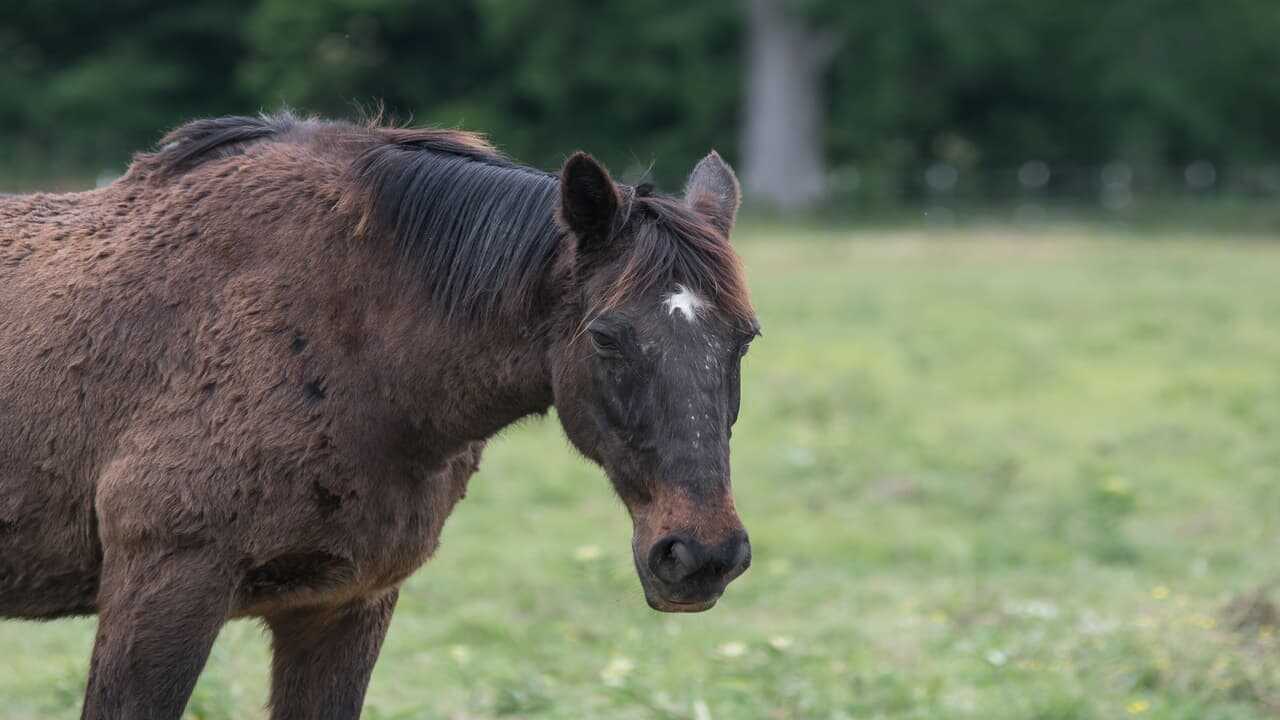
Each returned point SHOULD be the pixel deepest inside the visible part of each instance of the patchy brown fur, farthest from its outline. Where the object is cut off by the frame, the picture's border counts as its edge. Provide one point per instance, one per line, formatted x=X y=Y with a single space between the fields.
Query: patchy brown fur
x=210 y=363
x=218 y=399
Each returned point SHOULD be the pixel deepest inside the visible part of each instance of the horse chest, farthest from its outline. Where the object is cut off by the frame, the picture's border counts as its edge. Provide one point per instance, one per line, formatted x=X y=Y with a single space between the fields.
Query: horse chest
x=398 y=528
x=397 y=538
x=353 y=545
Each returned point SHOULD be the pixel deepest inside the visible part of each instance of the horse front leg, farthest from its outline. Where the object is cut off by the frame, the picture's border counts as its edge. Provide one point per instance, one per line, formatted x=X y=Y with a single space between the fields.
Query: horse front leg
x=323 y=657
x=158 y=615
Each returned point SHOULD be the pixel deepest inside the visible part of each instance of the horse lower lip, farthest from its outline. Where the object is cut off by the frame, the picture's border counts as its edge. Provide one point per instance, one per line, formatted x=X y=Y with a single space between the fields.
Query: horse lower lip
x=674 y=606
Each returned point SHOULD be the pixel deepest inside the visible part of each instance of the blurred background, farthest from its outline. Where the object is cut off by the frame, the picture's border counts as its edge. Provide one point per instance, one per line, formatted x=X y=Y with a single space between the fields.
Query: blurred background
x=1010 y=106
x=1010 y=447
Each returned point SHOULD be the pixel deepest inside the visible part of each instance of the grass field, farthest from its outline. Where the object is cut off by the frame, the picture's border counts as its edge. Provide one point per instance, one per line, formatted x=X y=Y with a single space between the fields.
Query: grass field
x=986 y=474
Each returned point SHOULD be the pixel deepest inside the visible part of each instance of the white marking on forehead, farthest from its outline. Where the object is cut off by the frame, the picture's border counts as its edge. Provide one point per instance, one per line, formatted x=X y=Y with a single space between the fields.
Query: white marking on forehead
x=686 y=301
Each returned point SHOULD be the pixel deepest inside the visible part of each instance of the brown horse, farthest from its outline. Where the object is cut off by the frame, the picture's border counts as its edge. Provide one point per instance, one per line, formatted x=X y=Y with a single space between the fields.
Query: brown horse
x=252 y=377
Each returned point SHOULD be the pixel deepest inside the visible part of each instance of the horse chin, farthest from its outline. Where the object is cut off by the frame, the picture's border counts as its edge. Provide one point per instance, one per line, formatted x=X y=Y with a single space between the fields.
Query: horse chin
x=669 y=606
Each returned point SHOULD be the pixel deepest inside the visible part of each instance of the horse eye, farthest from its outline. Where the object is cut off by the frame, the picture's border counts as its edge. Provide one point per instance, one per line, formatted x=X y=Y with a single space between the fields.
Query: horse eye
x=604 y=344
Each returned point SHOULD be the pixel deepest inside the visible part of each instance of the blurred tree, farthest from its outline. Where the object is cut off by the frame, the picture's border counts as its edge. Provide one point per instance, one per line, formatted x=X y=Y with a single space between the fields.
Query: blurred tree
x=993 y=84
x=83 y=85
x=815 y=90
x=638 y=83
x=785 y=112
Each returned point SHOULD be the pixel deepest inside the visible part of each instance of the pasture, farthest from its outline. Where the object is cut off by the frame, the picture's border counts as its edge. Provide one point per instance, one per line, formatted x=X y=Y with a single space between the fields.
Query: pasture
x=987 y=474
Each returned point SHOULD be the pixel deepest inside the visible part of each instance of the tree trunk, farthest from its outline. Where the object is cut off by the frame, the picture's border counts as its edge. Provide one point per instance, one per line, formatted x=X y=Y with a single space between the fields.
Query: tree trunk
x=782 y=149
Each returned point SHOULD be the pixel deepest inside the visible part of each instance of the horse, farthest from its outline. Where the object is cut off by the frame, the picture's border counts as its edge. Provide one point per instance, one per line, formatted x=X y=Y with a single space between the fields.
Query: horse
x=252 y=377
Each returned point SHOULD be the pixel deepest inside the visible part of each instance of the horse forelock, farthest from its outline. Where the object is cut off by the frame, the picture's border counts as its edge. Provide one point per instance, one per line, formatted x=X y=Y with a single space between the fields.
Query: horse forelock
x=675 y=246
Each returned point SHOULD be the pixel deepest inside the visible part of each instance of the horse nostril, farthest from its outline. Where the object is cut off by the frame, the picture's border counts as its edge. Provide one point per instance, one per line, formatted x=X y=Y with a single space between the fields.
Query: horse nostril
x=673 y=559
x=679 y=560
x=684 y=555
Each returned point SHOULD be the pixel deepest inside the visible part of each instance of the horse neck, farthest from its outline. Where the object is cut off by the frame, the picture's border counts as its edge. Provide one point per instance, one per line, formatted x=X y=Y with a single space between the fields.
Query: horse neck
x=484 y=376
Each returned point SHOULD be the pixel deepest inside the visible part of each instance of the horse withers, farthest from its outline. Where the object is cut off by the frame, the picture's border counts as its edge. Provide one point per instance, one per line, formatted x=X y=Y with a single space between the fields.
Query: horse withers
x=252 y=377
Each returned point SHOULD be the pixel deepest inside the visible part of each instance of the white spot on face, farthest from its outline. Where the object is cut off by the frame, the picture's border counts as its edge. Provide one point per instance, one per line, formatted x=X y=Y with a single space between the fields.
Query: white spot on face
x=686 y=301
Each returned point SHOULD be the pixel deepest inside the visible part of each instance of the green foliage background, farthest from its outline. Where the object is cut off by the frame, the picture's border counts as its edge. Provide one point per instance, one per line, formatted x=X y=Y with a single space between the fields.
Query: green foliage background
x=981 y=84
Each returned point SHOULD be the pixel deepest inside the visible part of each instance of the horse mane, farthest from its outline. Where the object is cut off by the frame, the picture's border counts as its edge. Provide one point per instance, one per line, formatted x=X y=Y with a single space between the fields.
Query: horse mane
x=198 y=141
x=481 y=229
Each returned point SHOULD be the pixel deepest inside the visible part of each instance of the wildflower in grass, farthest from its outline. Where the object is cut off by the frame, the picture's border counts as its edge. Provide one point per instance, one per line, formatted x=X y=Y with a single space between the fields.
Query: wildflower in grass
x=733 y=650
x=461 y=654
x=1037 y=609
x=997 y=657
x=1117 y=486
x=587 y=553
x=781 y=643
x=616 y=672
x=1137 y=707
x=1160 y=592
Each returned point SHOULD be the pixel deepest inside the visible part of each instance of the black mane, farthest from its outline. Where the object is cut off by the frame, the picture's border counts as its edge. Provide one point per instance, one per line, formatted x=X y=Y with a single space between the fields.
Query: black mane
x=186 y=146
x=480 y=229
x=484 y=230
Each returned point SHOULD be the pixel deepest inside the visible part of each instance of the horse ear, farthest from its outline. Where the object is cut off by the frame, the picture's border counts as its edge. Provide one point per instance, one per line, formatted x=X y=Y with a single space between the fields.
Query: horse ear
x=713 y=189
x=588 y=199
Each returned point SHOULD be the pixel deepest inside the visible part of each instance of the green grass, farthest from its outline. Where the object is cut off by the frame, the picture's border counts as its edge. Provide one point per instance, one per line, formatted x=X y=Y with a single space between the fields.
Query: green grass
x=986 y=474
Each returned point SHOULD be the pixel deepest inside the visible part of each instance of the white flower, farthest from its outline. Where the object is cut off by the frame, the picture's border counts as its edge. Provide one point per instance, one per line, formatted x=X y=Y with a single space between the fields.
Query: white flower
x=1038 y=609
x=733 y=650
x=781 y=642
x=616 y=671
x=587 y=553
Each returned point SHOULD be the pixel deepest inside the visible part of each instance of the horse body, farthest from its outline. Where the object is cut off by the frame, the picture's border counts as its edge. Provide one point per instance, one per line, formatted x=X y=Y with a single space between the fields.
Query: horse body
x=219 y=398
x=171 y=383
